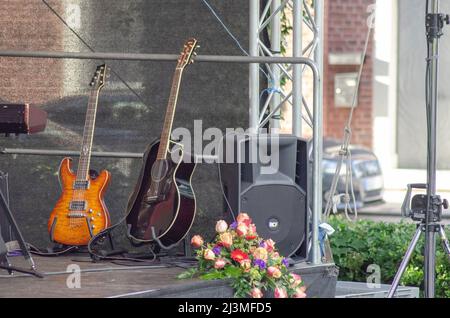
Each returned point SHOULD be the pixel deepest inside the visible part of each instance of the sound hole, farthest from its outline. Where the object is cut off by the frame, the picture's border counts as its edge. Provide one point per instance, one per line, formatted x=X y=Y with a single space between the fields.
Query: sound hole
x=159 y=170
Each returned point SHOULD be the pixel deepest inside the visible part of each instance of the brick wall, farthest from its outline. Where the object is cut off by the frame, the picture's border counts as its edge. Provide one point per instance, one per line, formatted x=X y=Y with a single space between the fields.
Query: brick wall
x=346 y=31
x=29 y=25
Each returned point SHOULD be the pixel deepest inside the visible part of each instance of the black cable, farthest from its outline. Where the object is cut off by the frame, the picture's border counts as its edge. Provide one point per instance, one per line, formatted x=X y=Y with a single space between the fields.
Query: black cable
x=93 y=51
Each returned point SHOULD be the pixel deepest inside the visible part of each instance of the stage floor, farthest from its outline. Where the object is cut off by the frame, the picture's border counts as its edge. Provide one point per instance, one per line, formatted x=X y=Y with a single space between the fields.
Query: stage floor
x=106 y=279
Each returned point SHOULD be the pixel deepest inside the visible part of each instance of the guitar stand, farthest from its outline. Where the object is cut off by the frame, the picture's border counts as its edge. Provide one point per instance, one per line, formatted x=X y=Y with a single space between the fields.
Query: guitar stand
x=164 y=247
x=4 y=262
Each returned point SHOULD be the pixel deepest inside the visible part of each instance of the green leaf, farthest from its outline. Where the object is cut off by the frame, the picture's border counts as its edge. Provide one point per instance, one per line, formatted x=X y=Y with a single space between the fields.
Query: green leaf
x=233 y=272
x=212 y=275
x=187 y=274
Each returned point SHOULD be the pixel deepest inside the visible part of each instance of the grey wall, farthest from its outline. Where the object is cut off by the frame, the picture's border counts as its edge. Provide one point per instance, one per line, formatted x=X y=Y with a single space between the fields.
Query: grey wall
x=214 y=93
x=411 y=132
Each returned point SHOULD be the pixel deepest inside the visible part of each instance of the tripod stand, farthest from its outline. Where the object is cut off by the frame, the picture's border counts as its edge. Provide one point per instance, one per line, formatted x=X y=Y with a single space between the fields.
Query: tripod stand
x=4 y=262
x=428 y=208
x=416 y=210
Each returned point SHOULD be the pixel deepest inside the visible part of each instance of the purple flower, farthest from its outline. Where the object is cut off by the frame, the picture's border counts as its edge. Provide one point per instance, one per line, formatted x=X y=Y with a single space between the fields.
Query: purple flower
x=260 y=263
x=216 y=250
x=233 y=225
x=285 y=262
x=262 y=244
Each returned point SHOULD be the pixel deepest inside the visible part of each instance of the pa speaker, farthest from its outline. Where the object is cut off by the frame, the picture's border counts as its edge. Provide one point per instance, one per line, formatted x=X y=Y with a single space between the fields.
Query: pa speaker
x=266 y=176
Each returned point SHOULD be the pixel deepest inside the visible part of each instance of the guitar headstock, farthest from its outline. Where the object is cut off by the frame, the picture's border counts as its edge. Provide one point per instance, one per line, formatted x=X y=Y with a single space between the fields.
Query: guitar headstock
x=188 y=53
x=99 y=78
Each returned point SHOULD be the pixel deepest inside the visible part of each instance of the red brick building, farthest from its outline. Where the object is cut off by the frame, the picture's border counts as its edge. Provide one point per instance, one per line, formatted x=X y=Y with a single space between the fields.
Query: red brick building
x=345 y=32
x=29 y=25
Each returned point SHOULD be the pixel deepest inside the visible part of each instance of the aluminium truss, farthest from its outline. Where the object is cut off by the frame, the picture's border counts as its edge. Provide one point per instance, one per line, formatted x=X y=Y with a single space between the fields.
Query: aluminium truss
x=268 y=18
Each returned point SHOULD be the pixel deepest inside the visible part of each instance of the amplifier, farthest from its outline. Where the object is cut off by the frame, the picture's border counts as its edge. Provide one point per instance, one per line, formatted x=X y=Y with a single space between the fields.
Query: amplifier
x=21 y=119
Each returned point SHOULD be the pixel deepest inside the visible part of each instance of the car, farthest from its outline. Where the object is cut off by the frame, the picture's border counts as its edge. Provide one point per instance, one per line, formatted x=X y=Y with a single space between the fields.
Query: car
x=367 y=178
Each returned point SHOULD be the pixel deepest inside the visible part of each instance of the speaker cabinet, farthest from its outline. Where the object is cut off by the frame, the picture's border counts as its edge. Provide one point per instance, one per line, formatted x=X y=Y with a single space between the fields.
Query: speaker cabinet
x=266 y=176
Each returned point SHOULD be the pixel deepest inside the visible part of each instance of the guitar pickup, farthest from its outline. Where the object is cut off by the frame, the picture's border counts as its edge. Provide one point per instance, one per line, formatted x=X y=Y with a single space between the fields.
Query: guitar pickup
x=77 y=205
x=81 y=185
x=76 y=215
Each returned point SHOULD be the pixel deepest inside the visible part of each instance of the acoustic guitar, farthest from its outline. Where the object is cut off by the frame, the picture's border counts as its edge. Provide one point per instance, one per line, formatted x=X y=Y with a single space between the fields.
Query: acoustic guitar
x=162 y=206
x=80 y=212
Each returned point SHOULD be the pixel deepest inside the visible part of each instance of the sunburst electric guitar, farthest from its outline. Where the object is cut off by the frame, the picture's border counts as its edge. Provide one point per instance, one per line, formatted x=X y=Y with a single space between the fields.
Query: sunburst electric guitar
x=80 y=212
x=162 y=206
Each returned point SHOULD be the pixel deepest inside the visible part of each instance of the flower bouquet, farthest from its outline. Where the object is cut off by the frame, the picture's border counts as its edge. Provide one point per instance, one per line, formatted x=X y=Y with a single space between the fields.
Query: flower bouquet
x=252 y=263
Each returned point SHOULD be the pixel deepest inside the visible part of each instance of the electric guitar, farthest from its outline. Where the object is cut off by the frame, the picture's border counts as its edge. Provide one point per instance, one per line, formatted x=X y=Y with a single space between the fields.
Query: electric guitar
x=162 y=206
x=80 y=212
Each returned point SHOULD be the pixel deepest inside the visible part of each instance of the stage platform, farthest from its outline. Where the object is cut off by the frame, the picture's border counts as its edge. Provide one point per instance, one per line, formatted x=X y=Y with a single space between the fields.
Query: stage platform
x=107 y=279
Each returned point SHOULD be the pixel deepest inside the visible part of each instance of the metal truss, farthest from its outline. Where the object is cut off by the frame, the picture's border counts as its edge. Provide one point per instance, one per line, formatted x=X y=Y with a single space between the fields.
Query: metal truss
x=269 y=19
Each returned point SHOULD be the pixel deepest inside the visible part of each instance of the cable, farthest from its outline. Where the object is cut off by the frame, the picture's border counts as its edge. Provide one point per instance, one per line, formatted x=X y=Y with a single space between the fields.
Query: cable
x=345 y=151
x=233 y=37
x=92 y=50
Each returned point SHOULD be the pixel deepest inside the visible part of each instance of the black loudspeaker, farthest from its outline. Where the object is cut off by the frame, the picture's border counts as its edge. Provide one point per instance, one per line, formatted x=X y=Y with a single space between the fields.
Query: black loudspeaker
x=266 y=176
x=5 y=227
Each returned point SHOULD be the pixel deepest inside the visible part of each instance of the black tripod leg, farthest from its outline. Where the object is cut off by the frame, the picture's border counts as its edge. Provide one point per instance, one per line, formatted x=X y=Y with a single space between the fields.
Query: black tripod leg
x=15 y=228
x=404 y=263
x=445 y=241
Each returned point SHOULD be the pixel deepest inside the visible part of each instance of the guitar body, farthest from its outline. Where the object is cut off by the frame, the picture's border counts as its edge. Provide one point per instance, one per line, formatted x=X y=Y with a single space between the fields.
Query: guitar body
x=76 y=226
x=163 y=198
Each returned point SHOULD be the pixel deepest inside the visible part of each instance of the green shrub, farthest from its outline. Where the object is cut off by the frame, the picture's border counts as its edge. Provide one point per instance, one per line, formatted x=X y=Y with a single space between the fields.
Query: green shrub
x=356 y=245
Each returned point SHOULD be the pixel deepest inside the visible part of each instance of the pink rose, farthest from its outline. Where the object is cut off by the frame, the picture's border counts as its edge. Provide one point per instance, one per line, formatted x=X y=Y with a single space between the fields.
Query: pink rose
x=270 y=245
x=209 y=255
x=274 y=272
x=220 y=263
x=260 y=253
x=296 y=280
x=241 y=229
x=226 y=239
x=197 y=241
x=221 y=226
x=280 y=292
x=244 y=218
x=256 y=293
x=299 y=293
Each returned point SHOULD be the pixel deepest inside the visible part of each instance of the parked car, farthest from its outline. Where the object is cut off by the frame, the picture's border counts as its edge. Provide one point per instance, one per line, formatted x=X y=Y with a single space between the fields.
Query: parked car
x=367 y=178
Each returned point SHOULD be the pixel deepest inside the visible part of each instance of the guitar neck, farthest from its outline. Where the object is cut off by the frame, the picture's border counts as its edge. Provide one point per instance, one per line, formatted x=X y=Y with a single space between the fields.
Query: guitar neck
x=170 y=112
x=88 y=136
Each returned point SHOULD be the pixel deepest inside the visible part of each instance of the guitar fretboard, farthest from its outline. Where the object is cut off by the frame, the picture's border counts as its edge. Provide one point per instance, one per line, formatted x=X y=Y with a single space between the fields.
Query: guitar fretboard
x=170 y=112
x=88 y=136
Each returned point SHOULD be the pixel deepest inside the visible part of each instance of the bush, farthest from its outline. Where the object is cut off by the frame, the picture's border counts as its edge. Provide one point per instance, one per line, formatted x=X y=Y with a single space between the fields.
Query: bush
x=356 y=245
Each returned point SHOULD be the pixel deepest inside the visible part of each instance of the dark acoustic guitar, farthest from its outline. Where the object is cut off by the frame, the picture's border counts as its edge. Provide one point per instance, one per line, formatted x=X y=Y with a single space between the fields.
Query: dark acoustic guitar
x=162 y=206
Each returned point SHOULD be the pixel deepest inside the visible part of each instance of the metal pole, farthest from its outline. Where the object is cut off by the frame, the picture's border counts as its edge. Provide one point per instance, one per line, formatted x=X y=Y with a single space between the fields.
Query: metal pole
x=430 y=234
x=404 y=262
x=276 y=50
x=152 y=57
x=51 y=152
x=253 y=68
x=317 y=134
x=297 y=70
